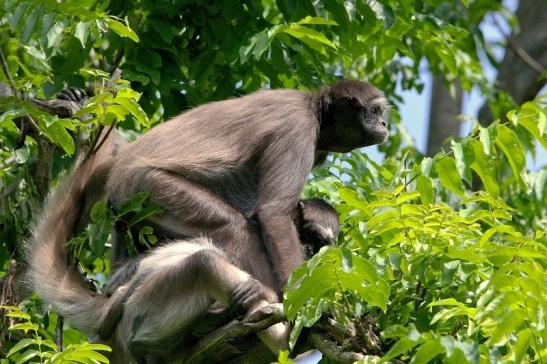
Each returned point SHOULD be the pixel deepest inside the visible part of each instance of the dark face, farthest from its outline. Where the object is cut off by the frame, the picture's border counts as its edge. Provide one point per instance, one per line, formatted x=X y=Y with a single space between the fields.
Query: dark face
x=317 y=225
x=355 y=115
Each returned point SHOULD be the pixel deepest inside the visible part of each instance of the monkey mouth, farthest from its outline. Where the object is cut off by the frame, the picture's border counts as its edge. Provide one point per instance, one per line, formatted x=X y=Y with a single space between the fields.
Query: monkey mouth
x=378 y=134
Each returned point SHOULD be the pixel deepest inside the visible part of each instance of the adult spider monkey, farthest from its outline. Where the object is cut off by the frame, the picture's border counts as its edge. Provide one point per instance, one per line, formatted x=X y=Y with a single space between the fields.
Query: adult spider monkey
x=216 y=170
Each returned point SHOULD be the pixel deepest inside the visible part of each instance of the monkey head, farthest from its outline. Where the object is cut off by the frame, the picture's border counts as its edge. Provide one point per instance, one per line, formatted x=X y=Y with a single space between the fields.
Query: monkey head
x=317 y=224
x=352 y=114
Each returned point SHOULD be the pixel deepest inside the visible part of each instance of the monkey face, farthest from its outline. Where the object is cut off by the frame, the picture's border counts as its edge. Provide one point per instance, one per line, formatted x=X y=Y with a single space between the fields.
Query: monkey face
x=354 y=115
x=314 y=237
x=318 y=225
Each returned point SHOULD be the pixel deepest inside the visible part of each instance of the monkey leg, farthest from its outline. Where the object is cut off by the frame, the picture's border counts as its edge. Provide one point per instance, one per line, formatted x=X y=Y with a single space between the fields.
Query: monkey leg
x=162 y=307
x=191 y=211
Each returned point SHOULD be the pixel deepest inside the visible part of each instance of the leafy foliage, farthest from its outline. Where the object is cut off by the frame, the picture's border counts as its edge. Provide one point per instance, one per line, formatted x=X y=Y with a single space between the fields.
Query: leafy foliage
x=35 y=347
x=450 y=274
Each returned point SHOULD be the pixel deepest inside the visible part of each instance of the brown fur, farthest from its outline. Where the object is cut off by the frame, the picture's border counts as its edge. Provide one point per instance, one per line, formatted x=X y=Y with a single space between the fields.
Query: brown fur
x=227 y=170
x=216 y=168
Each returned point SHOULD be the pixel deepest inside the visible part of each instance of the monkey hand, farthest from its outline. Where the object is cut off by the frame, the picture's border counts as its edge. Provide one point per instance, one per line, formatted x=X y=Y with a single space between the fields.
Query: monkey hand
x=247 y=296
x=73 y=94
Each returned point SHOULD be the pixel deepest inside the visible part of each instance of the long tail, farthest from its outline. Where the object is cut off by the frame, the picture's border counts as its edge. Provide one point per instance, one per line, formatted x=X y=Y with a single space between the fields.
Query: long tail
x=50 y=273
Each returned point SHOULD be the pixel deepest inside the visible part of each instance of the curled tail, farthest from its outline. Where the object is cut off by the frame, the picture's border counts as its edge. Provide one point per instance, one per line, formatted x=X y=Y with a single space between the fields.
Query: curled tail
x=50 y=272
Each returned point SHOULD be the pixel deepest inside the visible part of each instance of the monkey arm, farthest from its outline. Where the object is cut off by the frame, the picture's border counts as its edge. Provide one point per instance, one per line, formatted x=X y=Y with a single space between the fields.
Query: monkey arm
x=286 y=166
x=281 y=242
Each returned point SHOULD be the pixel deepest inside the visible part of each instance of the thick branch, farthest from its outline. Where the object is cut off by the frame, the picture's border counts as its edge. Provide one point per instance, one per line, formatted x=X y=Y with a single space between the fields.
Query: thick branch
x=219 y=341
x=332 y=351
x=61 y=108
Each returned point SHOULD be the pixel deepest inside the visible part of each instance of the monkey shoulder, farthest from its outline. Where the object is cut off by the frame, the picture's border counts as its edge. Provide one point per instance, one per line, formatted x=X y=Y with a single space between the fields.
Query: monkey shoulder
x=257 y=112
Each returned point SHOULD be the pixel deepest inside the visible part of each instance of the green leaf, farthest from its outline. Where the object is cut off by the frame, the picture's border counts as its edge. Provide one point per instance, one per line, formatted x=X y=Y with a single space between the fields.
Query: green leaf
x=95 y=73
x=55 y=34
x=351 y=197
x=23 y=343
x=18 y=15
x=312 y=38
x=27 y=355
x=97 y=347
x=486 y=139
x=382 y=217
x=24 y=327
x=465 y=254
x=448 y=174
x=460 y=352
x=283 y=358
x=134 y=108
x=88 y=356
x=134 y=204
x=30 y=23
x=146 y=213
x=508 y=142
x=59 y=135
x=535 y=122
x=429 y=350
x=121 y=29
x=82 y=30
x=395 y=331
x=406 y=196
x=99 y=211
x=524 y=337
x=400 y=347
x=506 y=325
x=22 y=154
x=485 y=168
x=316 y=20
x=463 y=157
x=12 y=114
x=426 y=165
x=425 y=187
x=18 y=314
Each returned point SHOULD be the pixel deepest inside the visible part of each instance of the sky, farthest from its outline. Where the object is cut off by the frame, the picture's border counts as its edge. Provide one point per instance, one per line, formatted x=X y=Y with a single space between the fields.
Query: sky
x=415 y=108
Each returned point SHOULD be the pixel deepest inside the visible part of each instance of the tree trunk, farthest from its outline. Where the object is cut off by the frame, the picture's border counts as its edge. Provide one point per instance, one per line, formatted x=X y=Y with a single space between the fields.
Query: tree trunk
x=519 y=73
x=444 y=110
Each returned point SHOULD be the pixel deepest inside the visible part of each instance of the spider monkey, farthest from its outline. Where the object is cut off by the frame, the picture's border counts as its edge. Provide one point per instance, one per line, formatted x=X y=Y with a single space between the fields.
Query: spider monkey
x=218 y=170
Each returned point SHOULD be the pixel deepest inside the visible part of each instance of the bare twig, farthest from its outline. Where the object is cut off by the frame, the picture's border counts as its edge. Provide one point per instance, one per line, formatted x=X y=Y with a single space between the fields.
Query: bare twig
x=7 y=72
x=96 y=144
x=59 y=333
x=519 y=51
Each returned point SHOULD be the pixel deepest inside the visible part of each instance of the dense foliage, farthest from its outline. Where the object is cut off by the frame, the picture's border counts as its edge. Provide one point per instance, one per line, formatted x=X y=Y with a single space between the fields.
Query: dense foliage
x=444 y=255
x=448 y=273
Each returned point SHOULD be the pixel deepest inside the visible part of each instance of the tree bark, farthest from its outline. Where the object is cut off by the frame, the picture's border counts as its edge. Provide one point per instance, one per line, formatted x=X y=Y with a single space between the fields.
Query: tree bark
x=526 y=53
x=444 y=109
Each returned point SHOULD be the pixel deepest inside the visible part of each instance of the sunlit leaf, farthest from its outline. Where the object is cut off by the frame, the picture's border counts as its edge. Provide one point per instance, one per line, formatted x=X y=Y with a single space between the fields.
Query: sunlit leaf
x=448 y=174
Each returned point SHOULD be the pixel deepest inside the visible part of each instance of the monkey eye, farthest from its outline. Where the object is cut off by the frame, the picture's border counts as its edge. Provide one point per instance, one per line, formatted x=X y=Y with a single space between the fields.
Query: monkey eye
x=308 y=251
x=375 y=109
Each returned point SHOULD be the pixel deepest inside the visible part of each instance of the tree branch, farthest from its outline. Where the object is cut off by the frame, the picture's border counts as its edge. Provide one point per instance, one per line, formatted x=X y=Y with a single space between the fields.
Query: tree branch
x=221 y=341
x=519 y=51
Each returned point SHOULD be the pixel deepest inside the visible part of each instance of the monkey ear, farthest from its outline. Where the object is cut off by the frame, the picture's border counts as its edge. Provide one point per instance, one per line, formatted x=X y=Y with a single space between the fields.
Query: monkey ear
x=324 y=104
